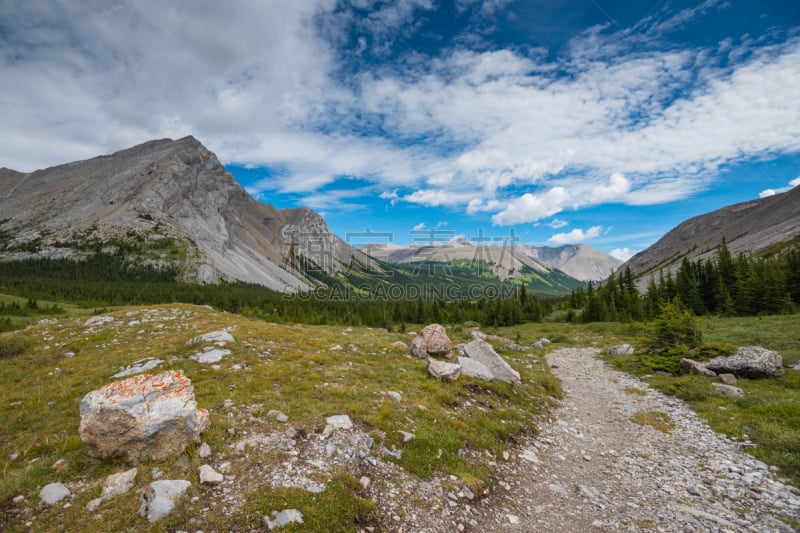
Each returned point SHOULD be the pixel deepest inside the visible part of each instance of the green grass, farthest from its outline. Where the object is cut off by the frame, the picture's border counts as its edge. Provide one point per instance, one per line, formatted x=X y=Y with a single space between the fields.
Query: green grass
x=655 y=419
x=290 y=368
x=769 y=412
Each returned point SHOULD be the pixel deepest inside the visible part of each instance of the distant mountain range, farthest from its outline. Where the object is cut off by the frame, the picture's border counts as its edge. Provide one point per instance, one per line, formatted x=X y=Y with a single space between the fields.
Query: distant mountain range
x=171 y=203
x=759 y=226
x=579 y=261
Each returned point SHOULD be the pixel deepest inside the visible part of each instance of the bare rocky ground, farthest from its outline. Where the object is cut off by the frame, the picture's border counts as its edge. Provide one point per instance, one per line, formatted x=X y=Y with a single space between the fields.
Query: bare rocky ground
x=593 y=469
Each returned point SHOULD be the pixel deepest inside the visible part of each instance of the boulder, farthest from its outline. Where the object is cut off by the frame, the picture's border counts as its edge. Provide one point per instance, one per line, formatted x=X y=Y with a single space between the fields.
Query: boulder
x=432 y=340
x=159 y=497
x=474 y=368
x=444 y=371
x=114 y=485
x=728 y=390
x=477 y=335
x=142 y=418
x=53 y=493
x=621 y=349
x=749 y=362
x=690 y=366
x=482 y=352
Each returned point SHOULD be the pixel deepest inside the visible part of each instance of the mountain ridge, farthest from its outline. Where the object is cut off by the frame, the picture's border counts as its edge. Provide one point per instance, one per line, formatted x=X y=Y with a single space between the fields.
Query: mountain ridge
x=579 y=261
x=168 y=189
x=747 y=227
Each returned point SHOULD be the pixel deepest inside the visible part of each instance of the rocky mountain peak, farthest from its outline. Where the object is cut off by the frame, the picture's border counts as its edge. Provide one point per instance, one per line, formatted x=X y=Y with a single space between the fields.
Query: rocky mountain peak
x=164 y=191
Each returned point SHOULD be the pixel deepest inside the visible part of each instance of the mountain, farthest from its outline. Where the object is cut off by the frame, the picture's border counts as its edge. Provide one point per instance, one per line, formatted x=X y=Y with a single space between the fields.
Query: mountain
x=579 y=261
x=748 y=227
x=167 y=202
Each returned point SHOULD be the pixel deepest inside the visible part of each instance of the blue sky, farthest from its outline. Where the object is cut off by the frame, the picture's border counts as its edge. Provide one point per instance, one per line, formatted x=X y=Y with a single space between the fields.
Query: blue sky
x=597 y=121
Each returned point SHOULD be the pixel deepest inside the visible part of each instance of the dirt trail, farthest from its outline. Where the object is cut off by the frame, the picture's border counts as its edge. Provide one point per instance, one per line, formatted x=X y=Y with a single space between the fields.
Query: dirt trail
x=593 y=469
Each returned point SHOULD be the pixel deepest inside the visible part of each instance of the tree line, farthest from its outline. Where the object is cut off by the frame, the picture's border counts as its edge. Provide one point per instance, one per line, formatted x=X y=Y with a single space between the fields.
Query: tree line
x=742 y=286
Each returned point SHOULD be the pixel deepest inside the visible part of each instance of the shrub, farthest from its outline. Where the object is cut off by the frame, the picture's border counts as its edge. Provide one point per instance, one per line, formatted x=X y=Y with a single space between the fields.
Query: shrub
x=14 y=345
x=677 y=326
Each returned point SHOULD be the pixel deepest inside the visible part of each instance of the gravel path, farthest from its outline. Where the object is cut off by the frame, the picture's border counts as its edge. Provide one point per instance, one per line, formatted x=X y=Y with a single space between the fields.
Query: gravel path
x=593 y=469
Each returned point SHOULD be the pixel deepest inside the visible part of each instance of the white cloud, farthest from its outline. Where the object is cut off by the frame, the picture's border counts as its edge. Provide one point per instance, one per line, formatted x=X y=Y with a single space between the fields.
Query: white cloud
x=477 y=205
x=419 y=227
x=576 y=235
x=772 y=192
x=557 y=223
x=623 y=254
x=529 y=207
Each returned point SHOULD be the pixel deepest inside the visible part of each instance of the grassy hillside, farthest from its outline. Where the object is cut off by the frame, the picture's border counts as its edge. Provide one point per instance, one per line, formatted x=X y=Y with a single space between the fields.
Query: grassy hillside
x=307 y=372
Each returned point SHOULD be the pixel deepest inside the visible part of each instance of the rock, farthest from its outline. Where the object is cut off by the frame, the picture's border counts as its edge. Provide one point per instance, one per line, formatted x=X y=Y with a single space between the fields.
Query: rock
x=749 y=362
x=394 y=395
x=400 y=345
x=444 y=371
x=690 y=366
x=284 y=518
x=539 y=345
x=621 y=349
x=482 y=352
x=96 y=320
x=728 y=390
x=727 y=379
x=339 y=422
x=795 y=366
x=114 y=485
x=60 y=464
x=282 y=417
x=142 y=365
x=213 y=355
x=476 y=335
x=53 y=493
x=365 y=482
x=209 y=476
x=159 y=497
x=473 y=368
x=221 y=337
x=204 y=451
x=406 y=435
x=142 y=418
x=432 y=340
x=513 y=346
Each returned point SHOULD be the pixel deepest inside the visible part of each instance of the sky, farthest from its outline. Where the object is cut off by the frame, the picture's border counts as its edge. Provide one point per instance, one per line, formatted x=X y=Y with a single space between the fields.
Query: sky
x=544 y=122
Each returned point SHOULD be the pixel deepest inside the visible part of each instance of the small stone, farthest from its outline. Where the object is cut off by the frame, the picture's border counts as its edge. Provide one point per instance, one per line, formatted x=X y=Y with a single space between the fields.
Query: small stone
x=406 y=435
x=60 y=464
x=512 y=519
x=283 y=518
x=290 y=433
x=159 y=497
x=728 y=390
x=394 y=396
x=204 y=451
x=53 y=493
x=281 y=417
x=365 y=482
x=468 y=494
x=18 y=499
x=340 y=422
x=13 y=457
x=727 y=379
x=209 y=476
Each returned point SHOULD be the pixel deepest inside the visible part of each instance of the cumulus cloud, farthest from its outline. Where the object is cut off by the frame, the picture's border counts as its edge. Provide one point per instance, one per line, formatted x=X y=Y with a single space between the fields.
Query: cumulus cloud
x=772 y=192
x=419 y=227
x=623 y=254
x=576 y=235
x=530 y=207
